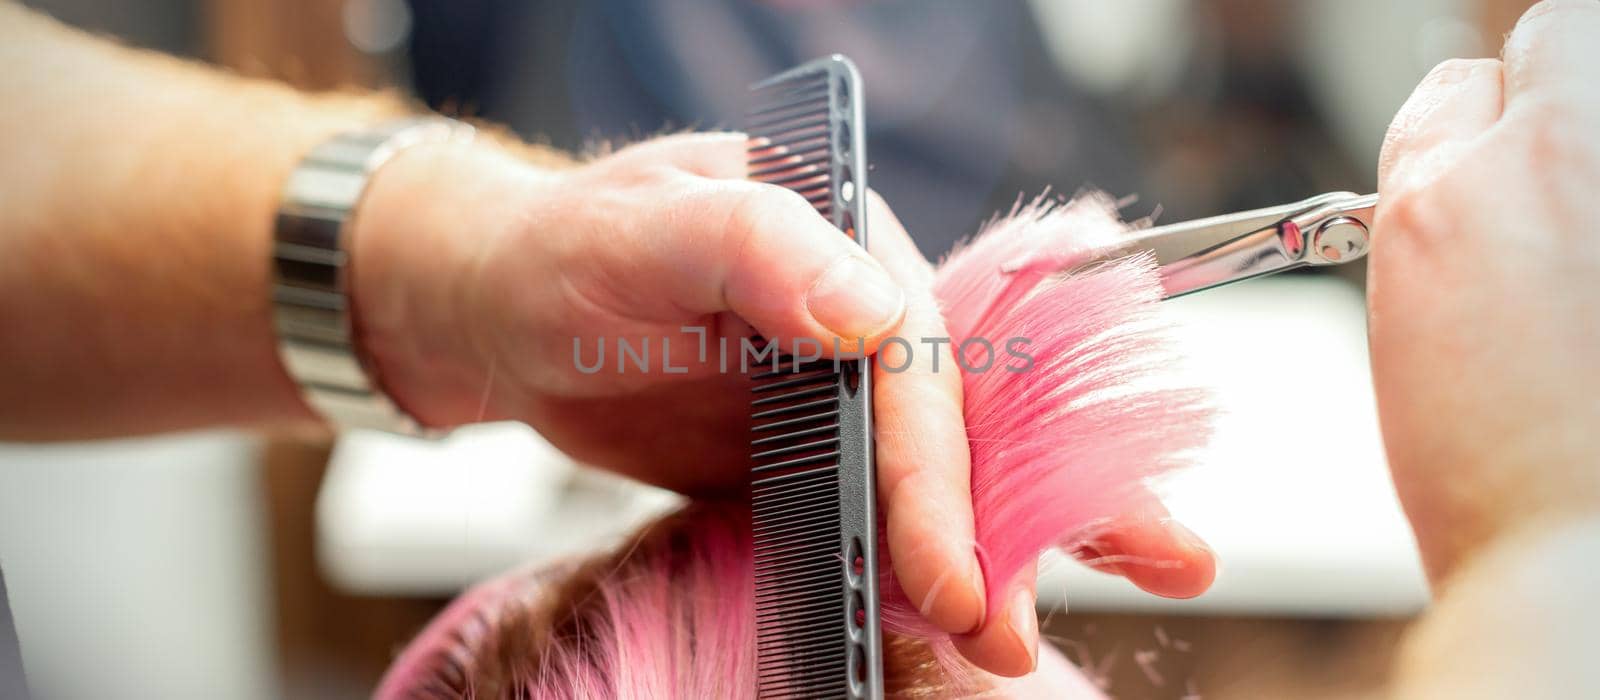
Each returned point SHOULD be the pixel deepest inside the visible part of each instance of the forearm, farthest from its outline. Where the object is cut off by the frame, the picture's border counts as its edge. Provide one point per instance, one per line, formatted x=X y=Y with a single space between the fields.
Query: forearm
x=136 y=202
x=1517 y=620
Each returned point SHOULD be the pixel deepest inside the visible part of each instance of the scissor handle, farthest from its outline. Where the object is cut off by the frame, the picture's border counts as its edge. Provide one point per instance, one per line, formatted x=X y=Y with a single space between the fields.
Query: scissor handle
x=1328 y=229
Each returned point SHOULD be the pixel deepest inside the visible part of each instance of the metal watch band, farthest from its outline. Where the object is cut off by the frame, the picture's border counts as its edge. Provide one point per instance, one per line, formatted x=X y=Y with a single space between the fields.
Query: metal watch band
x=311 y=303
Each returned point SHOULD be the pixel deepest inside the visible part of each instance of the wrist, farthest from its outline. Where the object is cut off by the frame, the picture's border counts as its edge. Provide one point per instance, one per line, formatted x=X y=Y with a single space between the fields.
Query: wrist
x=314 y=121
x=1469 y=501
x=1513 y=619
x=424 y=226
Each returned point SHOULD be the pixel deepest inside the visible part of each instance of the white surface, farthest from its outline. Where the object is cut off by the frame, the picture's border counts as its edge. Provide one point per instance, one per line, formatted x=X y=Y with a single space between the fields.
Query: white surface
x=404 y=516
x=1294 y=492
x=137 y=568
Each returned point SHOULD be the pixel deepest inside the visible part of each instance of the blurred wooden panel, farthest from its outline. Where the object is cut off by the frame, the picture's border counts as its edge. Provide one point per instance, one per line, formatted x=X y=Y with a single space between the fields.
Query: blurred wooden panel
x=1176 y=657
x=301 y=42
x=331 y=644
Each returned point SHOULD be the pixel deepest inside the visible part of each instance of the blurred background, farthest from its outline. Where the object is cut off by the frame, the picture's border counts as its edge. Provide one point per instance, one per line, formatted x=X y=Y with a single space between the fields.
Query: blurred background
x=242 y=566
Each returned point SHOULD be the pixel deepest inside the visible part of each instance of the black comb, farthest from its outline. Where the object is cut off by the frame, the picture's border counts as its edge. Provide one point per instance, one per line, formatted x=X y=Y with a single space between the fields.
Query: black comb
x=812 y=479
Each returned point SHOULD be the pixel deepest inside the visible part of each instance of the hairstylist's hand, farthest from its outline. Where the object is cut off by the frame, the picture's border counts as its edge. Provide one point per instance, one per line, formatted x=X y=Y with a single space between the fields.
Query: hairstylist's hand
x=485 y=289
x=1485 y=289
x=469 y=295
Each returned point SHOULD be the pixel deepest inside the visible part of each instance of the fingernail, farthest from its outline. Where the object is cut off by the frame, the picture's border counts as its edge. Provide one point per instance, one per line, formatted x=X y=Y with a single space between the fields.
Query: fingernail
x=855 y=298
x=1024 y=625
x=1187 y=537
x=978 y=596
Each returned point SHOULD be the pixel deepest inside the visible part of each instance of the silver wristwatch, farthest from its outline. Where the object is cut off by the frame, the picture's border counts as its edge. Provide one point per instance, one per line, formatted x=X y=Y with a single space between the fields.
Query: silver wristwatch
x=311 y=303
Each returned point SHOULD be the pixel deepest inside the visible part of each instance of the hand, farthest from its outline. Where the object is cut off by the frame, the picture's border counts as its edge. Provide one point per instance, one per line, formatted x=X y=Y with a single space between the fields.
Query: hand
x=473 y=273
x=1484 y=288
x=476 y=277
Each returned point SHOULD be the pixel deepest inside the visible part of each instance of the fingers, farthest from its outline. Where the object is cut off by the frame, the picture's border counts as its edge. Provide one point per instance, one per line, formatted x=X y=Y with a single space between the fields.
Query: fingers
x=763 y=253
x=713 y=154
x=1554 y=51
x=785 y=251
x=1154 y=552
x=924 y=468
x=1458 y=100
x=708 y=241
x=1008 y=642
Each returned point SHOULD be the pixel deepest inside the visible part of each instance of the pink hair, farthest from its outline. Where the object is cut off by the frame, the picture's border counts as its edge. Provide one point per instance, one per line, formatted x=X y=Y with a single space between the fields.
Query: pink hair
x=1058 y=451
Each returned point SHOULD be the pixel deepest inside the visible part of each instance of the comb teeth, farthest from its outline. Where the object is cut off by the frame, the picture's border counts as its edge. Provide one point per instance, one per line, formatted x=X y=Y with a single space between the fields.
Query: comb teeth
x=813 y=524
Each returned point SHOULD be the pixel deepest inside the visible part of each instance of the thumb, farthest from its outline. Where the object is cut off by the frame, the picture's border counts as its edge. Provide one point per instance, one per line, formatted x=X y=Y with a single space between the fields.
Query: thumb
x=715 y=242
x=763 y=253
x=713 y=154
x=791 y=274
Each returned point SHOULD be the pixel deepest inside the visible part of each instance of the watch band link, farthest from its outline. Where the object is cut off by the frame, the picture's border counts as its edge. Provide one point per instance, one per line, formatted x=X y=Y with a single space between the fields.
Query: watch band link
x=311 y=301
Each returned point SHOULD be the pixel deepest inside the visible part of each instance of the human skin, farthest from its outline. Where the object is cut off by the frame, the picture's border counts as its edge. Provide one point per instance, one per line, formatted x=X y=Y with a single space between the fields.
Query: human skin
x=636 y=423
x=136 y=200
x=1485 y=306
x=1484 y=289
x=137 y=192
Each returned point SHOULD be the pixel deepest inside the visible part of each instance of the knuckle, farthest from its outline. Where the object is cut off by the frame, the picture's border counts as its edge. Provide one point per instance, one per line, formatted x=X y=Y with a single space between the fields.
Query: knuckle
x=694 y=214
x=746 y=207
x=1547 y=21
x=729 y=217
x=781 y=201
x=1412 y=217
x=615 y=171
x=894 y=481
x=1402 y=212
x=752 y=206
x=1551 y=12
x=1453 y=70
x=648 y=175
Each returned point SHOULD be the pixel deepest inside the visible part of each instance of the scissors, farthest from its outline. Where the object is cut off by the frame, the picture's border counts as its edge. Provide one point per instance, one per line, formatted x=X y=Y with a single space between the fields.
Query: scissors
x=1328 y=229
